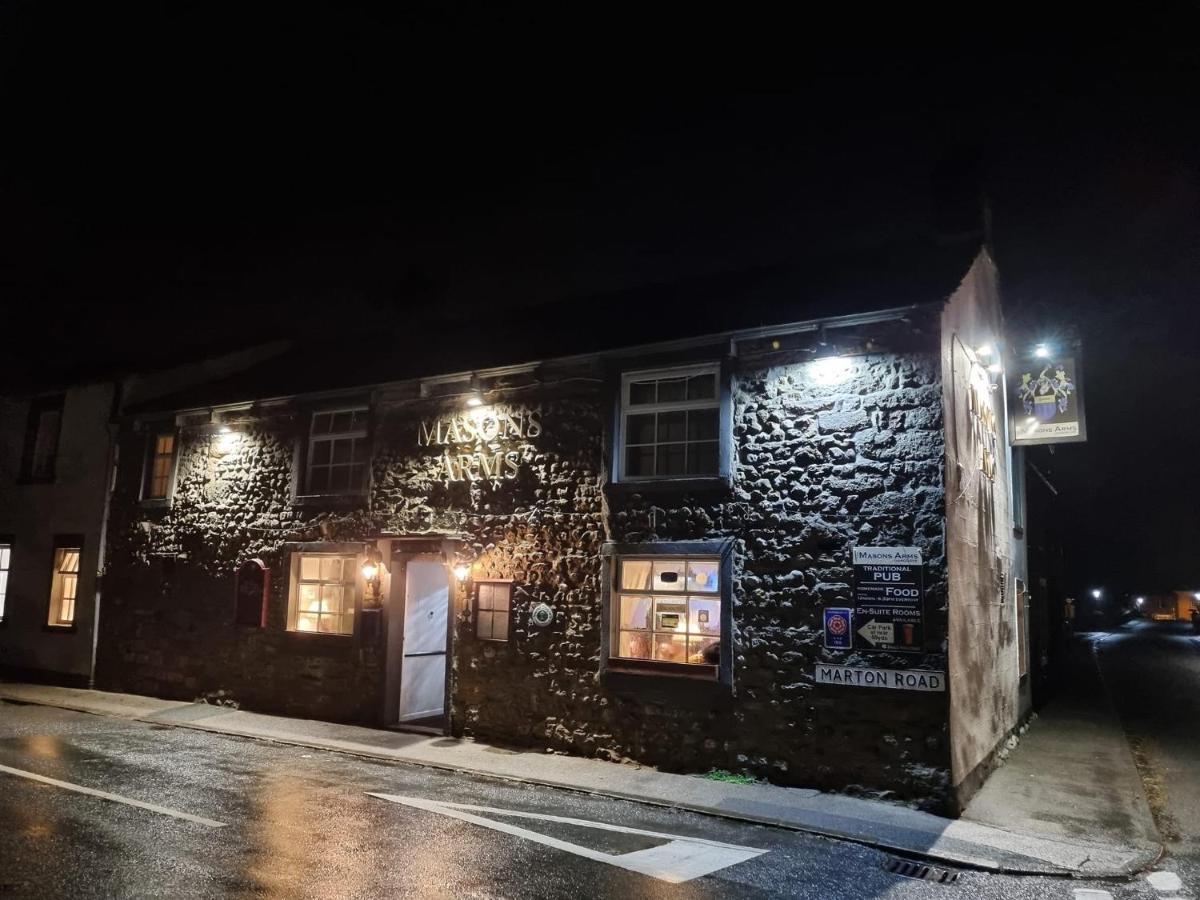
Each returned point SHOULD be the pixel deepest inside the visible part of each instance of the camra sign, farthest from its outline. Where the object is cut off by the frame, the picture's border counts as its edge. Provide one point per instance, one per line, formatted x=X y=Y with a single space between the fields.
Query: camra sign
x=484 y=444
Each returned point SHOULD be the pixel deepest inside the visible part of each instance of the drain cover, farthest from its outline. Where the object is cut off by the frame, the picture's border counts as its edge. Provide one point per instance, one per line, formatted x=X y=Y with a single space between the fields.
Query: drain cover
x=910 y=869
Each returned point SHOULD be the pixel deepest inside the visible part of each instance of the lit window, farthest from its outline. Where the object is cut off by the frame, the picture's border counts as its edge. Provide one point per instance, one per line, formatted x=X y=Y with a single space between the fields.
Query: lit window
x=323 y=593
x=492 y=600
x=5 y=562
x=670 y=424
x=668 y=610
x=63 y=585
x=159 y=466
x=41 y=439
x=337 y=453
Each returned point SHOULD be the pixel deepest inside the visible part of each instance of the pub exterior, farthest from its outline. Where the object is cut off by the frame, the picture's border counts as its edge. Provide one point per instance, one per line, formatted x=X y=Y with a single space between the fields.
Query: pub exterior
x=635 y=554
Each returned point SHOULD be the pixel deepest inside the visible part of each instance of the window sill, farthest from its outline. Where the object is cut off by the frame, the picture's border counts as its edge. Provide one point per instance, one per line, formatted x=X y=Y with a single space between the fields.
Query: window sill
x=660 y=485
x=330 y=501
x=661 y=686
x=155 y=503
x=687 y=671
x=59 y=629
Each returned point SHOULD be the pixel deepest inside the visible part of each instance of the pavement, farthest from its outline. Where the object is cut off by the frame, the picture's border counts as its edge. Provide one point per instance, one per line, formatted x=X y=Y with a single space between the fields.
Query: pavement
x=1004 y=847
x=1073 y=774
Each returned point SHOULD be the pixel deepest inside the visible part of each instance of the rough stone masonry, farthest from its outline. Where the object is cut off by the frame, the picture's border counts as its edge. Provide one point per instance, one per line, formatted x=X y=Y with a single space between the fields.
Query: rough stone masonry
x=818 y=466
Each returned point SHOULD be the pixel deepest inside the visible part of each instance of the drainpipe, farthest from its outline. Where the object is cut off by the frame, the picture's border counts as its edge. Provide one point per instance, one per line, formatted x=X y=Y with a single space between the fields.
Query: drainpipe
x=110 y=469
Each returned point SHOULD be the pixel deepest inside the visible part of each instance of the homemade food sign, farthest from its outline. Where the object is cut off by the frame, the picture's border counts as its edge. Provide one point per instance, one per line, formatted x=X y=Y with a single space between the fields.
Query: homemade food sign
x=889 y=599
x=484 y=444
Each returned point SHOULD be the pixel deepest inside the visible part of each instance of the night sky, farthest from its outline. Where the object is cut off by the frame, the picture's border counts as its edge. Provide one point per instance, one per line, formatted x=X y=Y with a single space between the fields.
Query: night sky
x=177 y=182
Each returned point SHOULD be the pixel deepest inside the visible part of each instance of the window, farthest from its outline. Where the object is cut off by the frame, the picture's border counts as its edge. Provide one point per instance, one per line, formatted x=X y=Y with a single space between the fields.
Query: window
x=670 y=424
x=5 y=563
x=159 y=466
x=63 y=586
x=41 y=438
x=667 y=609
x=492 y=601
x=323 y=593
x=337 y=453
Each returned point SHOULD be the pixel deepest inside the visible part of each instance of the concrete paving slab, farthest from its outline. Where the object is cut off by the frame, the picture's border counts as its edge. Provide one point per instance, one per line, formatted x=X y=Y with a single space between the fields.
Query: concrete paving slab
x=883 y=825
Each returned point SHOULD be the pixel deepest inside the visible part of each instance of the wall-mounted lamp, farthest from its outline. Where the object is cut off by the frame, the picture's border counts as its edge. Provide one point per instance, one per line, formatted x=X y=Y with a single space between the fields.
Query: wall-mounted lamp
x=227 y=441
x=474 y=400
x=461 y=572
x=1041 y=351
x=372 y=571
x=983 y=351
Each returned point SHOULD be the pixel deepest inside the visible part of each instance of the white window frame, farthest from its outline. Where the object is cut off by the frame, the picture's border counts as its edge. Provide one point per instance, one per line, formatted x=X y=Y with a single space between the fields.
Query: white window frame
x=353 y=586
x=627 y=409
x=490 y=612
x=614 y=624
x=358 y=434
x=64 y=587
x=6 y=549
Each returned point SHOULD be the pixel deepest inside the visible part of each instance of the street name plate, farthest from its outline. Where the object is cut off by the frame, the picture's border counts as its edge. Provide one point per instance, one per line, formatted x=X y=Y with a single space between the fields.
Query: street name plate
x=889 y=599
x=897 y=679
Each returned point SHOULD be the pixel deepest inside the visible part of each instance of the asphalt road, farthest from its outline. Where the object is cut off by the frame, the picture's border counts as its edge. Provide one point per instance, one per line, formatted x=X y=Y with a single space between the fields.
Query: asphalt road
x=300 y=823
x=1152 y=672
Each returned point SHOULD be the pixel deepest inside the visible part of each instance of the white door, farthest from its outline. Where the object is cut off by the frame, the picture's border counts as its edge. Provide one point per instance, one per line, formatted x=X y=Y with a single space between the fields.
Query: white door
x=423 y=672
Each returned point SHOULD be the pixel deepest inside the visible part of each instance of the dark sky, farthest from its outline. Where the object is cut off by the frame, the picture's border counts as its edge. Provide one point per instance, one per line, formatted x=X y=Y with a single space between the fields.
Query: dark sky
x=177 y=181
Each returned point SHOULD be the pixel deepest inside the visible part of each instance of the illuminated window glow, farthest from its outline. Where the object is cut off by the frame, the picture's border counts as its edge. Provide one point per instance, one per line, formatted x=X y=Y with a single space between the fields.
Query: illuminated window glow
x=64 y=585
x=670 y=423
x=159 y=465
x=492 y=601
x=323 y=592
x=668 y=609
x=5 y=563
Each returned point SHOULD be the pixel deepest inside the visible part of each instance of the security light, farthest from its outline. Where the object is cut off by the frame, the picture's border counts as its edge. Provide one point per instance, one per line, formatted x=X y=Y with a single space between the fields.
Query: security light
x=1096 y=593
x=474 y=400
x=983 y=351
x=1041 y=351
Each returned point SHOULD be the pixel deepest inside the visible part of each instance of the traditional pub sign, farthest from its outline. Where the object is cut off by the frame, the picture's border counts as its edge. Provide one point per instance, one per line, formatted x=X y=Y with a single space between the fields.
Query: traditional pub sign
x=1045 y=399
x=482 y=444
x=889 y=599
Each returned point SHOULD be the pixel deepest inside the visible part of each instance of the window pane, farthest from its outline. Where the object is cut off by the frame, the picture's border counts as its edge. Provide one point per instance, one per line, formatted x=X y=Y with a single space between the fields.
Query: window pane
x=635 y=612
x=331 y=568
x=500 y=626
x=703 y=575
x=704 y=650
x=343 y=451
x=342 y=422
x=672 y=389
x=672 y=426
x=4 y=554
x=331 y=598
x=318 y=480
x=702 y=387
x=704 y=616
x=703 y=459
x=310 y=568
x=339 y=479
x=483 y=626
x=485 y=596
x=310 y=598
x=641 y=392
x=635 y=574
x=670 y=647
x=328 y=624
x=321 y=423
x=671 y=459
x=306 y=622
x=634 y=645
x=321 y=451
x=669 y=575
x=639 y=429
x=702 y=425
x=500 y=596
x=639 y=461
x=69 y=561
x=358 y=474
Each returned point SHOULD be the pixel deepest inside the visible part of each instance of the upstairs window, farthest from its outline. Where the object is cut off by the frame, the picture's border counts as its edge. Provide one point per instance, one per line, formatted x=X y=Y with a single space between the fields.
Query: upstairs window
x=337 y=453
x=41 y=438
x=670 y=424
x=160 y=466
x=64 y=584
x=5 y=564
x=667 y=609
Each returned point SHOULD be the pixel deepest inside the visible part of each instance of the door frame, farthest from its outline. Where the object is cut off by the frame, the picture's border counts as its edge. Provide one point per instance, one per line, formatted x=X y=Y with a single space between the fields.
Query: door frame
x=403 y=551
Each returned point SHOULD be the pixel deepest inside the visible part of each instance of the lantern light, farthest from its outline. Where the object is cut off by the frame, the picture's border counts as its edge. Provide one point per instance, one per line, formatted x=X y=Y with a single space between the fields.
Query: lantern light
x=474 y=400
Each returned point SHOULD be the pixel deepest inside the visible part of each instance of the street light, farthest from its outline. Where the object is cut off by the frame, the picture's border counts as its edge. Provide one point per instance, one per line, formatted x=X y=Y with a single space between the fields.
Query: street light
x=1096 y=593
x=1041 y=351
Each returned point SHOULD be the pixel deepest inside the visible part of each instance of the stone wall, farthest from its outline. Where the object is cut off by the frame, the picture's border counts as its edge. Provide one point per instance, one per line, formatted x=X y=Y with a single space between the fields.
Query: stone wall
x=824 y=458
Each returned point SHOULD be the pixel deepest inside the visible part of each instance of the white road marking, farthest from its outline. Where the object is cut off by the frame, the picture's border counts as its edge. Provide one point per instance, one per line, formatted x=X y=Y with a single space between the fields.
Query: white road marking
x=1092 y=894
x=683 y=859
x=116 y=798
x=1165 y=881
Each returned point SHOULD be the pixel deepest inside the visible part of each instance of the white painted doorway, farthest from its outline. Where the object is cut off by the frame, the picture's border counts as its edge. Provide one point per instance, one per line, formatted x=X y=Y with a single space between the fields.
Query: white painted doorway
x=426 y=616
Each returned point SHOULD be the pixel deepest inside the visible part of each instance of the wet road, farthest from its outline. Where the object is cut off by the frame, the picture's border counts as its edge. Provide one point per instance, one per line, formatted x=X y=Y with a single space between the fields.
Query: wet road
x=1152 y=672
x=233 y=817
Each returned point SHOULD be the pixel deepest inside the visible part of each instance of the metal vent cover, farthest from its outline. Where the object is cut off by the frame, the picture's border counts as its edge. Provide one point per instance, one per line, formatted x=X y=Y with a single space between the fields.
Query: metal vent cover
x=910 y=869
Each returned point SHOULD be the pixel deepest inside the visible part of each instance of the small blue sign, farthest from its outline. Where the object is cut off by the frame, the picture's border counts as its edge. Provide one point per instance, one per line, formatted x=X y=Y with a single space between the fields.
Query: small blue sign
x=838 y=635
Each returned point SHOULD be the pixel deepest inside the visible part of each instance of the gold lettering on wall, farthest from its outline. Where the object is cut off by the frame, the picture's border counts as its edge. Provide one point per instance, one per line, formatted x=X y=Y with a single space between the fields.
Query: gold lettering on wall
x=485 y=444
x=984 y=427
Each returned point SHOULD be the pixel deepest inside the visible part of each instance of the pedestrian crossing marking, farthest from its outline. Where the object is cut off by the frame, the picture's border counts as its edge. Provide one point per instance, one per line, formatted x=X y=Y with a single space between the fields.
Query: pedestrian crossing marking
x=681 y=859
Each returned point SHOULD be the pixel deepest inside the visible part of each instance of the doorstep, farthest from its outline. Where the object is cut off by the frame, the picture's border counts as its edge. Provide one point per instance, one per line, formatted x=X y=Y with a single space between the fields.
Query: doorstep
x=882 y=825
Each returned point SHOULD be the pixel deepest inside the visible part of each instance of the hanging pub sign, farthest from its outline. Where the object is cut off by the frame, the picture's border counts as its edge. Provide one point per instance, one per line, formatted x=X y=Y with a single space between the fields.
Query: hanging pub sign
x=889 y=599
x=252 y=585
x=1045 y=399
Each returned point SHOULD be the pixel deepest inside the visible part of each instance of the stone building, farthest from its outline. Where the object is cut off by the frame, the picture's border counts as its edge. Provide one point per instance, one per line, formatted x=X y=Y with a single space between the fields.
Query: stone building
x=623 y=553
